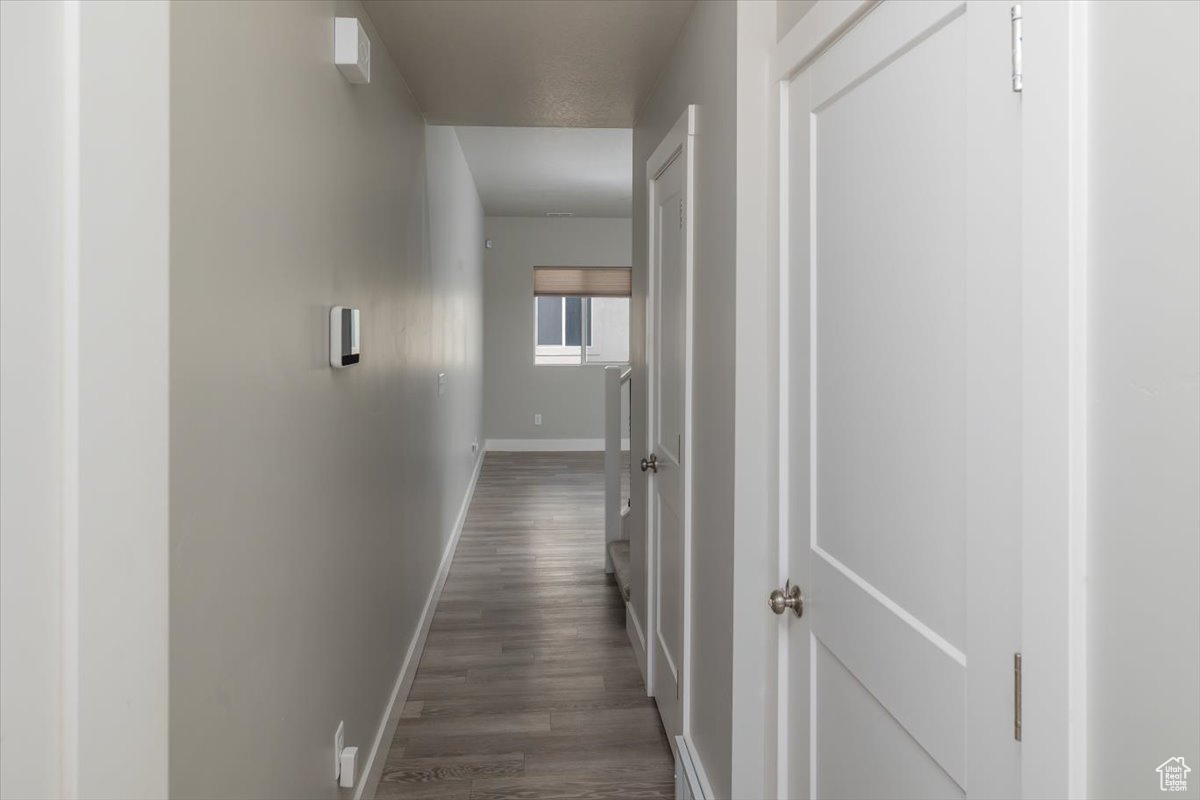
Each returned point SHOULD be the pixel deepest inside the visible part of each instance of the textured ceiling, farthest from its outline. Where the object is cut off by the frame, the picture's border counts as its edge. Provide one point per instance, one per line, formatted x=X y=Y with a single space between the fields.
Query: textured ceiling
x=576 y=63
x=526 y=172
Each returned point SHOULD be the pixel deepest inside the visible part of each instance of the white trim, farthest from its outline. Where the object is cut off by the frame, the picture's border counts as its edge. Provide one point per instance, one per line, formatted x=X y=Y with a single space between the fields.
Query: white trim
x=372 y=770
x=676 y=144
x=1054 y=381
x=547 y=445
x=672 y=143
x=777 y=762
x=70 y=400
x=115 y=455
x=691 y=768
x=637 y=640
x=754 y=634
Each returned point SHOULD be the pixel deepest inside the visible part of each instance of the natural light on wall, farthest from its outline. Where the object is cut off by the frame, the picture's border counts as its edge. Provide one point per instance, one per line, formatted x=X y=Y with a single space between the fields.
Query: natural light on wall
x=581 y=315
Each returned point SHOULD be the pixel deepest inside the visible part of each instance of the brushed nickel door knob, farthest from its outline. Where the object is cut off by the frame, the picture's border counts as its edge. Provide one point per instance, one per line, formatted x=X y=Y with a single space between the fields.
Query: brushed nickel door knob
x=787 y=597
x=650 y=463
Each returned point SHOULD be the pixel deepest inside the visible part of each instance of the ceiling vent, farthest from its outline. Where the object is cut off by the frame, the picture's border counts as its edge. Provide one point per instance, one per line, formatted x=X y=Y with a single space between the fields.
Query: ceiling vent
x=560 y=213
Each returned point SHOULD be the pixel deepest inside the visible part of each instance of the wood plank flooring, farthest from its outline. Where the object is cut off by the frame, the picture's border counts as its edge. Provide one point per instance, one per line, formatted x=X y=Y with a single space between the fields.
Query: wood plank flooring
x=528 y=686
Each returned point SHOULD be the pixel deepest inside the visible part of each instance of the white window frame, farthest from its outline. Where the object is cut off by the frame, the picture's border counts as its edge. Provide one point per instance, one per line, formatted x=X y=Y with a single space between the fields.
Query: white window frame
x=563 y=350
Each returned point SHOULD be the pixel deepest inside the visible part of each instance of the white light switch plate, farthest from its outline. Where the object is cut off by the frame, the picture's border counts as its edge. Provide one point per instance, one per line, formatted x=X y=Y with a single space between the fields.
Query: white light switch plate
x=537 y=419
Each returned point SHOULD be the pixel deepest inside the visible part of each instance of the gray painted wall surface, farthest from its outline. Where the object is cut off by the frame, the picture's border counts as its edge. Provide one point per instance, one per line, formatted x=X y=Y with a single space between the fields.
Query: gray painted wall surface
x=701 y=70
x=456 y=258
x=570 y=399
x=1144 y=443
x=310 y=507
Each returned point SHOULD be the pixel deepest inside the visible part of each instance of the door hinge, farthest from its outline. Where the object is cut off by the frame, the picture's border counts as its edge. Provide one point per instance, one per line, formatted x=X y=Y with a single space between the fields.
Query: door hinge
x=1017 y=47
x=1017 y=696
x=681 y=215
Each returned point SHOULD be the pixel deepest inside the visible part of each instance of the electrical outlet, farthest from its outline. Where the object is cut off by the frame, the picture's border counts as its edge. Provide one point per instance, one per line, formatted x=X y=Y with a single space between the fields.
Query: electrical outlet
x=339 y=744
x=537 y=419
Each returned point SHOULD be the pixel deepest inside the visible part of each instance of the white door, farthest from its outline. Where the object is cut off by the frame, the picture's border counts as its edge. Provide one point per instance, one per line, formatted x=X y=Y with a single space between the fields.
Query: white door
x=669 y=375
x=900 y=257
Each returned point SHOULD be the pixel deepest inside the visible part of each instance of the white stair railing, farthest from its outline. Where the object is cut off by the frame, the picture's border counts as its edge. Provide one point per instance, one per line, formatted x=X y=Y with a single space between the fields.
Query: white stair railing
x=615 y=381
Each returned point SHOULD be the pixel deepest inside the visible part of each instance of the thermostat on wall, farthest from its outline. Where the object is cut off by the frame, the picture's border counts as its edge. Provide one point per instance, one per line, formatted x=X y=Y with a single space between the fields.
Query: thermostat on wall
x=343 y=336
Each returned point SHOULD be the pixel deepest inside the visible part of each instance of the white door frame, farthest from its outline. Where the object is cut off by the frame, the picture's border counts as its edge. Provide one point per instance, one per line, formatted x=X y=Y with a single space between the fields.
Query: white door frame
x=1054 y=326
x=103 y=209
x=116 y=457
x=677 y=144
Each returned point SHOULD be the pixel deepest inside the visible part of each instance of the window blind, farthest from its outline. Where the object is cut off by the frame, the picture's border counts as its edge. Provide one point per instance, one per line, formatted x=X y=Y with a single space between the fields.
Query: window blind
x=582 y=281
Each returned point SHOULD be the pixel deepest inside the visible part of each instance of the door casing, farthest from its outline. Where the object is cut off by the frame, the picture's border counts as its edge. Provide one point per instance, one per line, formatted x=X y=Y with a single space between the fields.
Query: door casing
x=677 y=144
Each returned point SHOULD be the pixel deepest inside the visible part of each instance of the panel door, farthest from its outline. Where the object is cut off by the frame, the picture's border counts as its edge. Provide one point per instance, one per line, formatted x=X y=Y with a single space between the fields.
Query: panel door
x=668 y=408
x=900 y=519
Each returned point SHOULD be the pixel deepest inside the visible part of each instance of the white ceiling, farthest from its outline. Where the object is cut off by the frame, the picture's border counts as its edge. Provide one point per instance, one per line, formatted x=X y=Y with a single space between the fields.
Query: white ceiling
x=584 y=63
x=525 y=172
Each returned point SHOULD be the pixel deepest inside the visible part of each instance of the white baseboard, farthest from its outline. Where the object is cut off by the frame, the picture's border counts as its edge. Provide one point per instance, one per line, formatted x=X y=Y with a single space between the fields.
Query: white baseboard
x=691 y=781
x=548 y=445
x=638 y=640
x=373 y=766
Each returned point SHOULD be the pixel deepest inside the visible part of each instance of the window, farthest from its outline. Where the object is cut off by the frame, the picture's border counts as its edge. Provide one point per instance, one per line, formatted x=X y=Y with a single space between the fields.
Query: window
x=581 y=315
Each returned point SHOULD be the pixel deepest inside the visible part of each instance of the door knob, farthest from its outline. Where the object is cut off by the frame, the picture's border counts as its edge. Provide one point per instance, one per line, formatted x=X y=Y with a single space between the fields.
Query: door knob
x=787 y=597
x=650 y=463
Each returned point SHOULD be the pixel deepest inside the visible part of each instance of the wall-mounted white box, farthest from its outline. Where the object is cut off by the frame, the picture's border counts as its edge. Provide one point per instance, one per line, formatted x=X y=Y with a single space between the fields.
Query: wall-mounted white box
x=349 y=767
x=352 y=49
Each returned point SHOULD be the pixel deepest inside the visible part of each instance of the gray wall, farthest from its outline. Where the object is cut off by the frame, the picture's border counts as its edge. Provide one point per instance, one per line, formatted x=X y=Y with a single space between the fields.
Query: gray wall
x=1144 y=443
x=456 y=259
x=701 y=70
x=570 y=399
x=310 y=507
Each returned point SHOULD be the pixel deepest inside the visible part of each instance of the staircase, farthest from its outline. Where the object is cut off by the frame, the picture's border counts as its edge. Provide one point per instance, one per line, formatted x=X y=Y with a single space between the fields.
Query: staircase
x=616 y=478
x=618 y=553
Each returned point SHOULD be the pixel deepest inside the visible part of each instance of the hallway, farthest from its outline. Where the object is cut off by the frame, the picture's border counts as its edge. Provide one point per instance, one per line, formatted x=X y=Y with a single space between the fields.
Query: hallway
x=528 y=686
x=344 y=343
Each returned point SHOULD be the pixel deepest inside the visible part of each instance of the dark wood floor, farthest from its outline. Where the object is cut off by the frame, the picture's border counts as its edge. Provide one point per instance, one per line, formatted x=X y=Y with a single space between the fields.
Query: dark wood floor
x=528 y=687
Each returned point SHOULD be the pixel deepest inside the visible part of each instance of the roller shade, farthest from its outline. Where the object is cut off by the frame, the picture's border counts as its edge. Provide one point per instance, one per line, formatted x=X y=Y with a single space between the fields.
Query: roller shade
x=583 y=281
